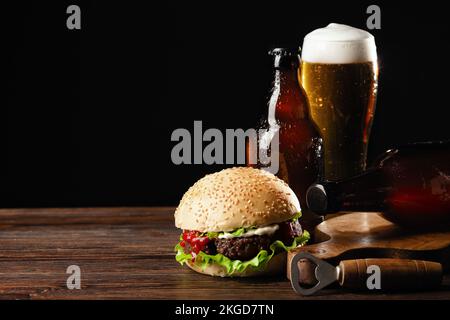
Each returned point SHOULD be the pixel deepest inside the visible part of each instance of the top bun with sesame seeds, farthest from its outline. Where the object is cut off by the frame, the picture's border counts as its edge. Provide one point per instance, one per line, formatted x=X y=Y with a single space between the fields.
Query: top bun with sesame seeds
x=235 y=198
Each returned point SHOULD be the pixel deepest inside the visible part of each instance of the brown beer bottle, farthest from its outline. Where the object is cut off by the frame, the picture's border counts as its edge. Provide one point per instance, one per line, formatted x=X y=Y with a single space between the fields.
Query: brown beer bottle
x=300 y=144
x=410 y=185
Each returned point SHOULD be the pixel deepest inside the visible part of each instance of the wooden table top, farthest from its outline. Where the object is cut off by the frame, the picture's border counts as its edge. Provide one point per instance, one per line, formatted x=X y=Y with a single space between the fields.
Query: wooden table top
x=124 y=253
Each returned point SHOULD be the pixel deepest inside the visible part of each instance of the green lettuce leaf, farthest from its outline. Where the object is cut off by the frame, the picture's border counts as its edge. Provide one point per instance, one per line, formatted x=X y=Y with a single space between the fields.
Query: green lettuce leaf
x=297 y=216
x=237 y=232
x=211 y=235
x=257 y=263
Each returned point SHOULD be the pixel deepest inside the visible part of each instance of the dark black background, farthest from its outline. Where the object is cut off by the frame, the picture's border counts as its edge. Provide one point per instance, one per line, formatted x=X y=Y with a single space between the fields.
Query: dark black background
x=89 y=113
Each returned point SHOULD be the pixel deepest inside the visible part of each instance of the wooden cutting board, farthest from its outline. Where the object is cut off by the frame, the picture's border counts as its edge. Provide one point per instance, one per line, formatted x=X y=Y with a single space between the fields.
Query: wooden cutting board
x=368 y=235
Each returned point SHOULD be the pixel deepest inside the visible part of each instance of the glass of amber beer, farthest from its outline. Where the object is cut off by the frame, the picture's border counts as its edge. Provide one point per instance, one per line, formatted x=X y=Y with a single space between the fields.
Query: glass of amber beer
x=339 y=73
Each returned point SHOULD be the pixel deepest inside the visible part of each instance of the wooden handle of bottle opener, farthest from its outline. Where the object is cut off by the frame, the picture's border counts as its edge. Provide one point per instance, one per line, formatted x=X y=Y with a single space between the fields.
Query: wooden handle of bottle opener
x=394 y=274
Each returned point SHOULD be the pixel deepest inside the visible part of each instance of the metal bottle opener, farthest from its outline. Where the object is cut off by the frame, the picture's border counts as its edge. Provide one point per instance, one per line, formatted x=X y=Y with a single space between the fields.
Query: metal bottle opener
x=325 y=274
x=394 y=274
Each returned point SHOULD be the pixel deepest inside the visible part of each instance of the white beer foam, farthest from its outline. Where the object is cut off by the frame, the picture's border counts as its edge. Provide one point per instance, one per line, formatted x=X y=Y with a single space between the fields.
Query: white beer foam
x=339 y=43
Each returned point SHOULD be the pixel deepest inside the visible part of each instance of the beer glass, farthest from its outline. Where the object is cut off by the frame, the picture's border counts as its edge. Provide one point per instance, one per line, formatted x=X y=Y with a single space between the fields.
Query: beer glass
x=339 y=73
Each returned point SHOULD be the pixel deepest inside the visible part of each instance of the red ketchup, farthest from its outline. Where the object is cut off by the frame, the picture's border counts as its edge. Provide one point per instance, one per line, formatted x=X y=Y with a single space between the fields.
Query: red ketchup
x=195 y=241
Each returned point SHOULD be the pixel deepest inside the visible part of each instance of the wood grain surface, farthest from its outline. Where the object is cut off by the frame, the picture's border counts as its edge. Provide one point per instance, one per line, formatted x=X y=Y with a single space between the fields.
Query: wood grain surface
x=124 y=253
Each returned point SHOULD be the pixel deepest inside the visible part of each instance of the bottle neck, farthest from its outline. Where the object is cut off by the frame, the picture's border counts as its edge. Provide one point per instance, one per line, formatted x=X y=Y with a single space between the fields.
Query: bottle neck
x=287 y=79
x=288 y=101
x=365 y=192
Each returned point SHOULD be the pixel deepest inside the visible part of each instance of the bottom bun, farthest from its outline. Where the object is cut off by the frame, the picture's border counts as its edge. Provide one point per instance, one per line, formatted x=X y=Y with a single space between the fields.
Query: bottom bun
x=275 y=266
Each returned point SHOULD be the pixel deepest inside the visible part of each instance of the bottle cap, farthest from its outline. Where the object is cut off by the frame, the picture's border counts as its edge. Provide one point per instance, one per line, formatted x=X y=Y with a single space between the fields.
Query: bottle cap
x=321 y=199
x=317 y=199
x=290 y=52
x=286 y=58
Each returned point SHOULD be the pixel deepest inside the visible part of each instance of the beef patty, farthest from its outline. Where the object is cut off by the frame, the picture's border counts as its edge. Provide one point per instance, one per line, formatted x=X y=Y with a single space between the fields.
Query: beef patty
x=246 y=248
x=242 y=248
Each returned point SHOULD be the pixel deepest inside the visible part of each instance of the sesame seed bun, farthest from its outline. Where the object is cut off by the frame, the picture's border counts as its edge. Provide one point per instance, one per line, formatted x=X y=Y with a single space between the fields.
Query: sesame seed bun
x=275 y=266
x=234 y=198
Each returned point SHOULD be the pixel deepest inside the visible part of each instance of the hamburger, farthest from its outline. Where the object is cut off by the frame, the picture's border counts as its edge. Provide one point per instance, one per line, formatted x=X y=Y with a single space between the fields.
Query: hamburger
x=238 y=222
